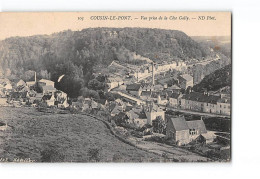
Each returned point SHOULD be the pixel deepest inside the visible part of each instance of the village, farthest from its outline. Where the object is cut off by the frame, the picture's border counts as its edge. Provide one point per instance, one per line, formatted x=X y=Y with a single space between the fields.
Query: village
x=145 y=96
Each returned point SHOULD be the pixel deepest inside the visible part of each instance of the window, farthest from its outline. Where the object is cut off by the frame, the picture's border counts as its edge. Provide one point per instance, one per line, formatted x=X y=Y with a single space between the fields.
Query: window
x=192 y=131
x=220 y=105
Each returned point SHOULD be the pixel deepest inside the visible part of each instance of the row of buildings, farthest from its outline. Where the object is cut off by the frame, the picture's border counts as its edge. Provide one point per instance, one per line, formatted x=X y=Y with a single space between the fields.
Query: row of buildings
x=176 y=97
x=18 y=92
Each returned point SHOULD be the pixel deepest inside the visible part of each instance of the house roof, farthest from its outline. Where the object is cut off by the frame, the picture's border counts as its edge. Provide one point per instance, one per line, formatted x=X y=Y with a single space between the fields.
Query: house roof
x=133 y=87
x=179 y=123
x=208 y=135
x=146 y=93
x=174 y=87
x=30 y=82
x=158 y=87
x=39 y=95
x=197 y=125
x=186 y=77
x=18 y=80
x=146 y=85
x=132 y=115
x=46 y=97
x=48 y=88
x=4 y=80
x=200 y=97
x=174 y=95
x=18 y=94
x=114 y=79
x=116 y=110
x=46 y=81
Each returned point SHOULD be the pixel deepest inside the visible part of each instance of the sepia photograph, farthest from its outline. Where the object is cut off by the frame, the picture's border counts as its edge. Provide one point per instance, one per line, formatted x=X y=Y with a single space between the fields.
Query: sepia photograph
x=115 y=87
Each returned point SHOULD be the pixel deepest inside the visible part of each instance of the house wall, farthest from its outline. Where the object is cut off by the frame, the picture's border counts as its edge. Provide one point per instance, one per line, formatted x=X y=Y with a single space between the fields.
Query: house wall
x=182 y=83
x=140 y=122
x=182 y=137
x=210 y=108
x=114 y=84
x=192 y=105
x=223 y=108
x=152 y=116
x=135 y=93
x=200 y=106
x=170 y=130
x=162 y=102
x=173 y=102
x=21 y=82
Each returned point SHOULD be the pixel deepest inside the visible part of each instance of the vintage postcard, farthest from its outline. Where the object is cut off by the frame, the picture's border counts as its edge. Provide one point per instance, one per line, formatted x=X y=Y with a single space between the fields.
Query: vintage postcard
x=115 y=86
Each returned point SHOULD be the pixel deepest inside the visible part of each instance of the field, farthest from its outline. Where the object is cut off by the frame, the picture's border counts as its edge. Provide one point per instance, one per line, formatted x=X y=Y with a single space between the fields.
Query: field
x=46 y=137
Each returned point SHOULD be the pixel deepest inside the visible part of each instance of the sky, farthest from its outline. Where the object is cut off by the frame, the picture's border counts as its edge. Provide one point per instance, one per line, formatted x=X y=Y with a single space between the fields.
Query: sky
x=36 y=23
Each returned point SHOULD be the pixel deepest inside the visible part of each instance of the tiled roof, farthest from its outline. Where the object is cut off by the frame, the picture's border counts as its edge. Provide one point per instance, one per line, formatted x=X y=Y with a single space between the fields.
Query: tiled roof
x=46 y=81
x=186 y=77
x=146 y=93
x=197 y=125
x=133 y=87
x=174 y=95
x=46 y=97
x=114 y=79
x=174 y=87
x=179 y=123
x=49 y=87
x=200 y=97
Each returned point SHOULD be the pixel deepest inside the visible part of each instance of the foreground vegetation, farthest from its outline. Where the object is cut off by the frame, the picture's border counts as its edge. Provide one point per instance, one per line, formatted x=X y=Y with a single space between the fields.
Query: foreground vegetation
x=48 y=137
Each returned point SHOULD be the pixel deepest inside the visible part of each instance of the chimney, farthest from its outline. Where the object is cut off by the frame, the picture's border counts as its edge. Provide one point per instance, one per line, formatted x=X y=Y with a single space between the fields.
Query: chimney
x=153 y=71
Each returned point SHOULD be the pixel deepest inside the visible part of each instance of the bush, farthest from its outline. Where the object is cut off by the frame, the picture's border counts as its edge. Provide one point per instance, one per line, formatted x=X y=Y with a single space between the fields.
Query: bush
x=137 y=134
x=94 y=155
x=52 y=155
x=117 y=158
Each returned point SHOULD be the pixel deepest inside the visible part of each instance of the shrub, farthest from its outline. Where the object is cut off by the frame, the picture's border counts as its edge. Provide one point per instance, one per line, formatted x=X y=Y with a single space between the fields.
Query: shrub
x=52 y=155
x=94 y=154
x=117 y=158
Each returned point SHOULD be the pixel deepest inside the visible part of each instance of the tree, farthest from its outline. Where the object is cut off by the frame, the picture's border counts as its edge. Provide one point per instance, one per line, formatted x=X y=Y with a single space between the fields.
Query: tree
x=88 y=93
x=94 y=154
x=159 y=125
x=94 y=84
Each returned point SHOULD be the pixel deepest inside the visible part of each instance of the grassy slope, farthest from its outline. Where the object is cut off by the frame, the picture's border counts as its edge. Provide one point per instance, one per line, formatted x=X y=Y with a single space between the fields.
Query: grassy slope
x=72 y=135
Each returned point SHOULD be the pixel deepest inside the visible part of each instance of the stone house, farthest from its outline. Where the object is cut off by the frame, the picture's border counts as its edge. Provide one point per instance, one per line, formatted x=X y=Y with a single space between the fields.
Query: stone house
x=185 y=81
x=49 y=100
x=201 y=102
x=177 y=129
x=48 y=89
x=184 y=132
x=134 y=89
x=19 y=82
x=44 y=82
x=113 y=82
x=174 y=89
x=152 y=111
x=175 y=100
x=204 y=102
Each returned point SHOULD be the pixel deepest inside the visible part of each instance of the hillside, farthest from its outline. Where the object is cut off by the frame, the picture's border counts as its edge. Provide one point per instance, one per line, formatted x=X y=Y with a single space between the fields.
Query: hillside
x=215 y=81
x=47 y=137
x=76 y=53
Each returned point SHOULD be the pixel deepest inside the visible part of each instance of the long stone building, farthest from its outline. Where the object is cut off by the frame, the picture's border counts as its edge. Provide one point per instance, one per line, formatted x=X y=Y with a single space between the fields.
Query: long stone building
x=204 y=102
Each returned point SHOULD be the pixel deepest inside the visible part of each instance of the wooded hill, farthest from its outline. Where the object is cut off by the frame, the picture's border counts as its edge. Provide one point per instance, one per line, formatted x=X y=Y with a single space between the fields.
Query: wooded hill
x=76 y=53
x=219 y=79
